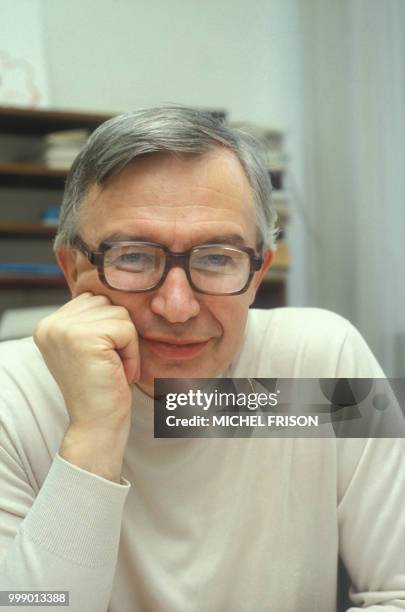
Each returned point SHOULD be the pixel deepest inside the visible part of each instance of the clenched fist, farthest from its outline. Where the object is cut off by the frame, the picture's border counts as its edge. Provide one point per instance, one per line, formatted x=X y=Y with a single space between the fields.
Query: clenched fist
x=91 y=348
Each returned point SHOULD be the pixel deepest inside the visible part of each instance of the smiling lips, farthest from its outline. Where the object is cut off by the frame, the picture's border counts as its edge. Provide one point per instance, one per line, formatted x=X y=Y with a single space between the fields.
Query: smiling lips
x=177 y=349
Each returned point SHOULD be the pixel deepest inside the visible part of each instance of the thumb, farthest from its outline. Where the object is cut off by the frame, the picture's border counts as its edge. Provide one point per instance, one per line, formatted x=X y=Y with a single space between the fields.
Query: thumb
x=132 y=369
x=131 y=361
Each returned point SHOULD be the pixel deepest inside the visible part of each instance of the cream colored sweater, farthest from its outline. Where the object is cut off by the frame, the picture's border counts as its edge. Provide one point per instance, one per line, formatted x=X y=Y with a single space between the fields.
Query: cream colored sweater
x=204 y=525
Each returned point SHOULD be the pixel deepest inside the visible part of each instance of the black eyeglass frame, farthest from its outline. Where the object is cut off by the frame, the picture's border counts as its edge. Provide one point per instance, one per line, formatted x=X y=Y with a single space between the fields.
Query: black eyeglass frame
x=182 y=260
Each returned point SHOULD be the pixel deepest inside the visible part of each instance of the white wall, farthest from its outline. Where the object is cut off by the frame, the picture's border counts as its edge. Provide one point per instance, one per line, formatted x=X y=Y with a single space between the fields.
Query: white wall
x=23 y=75
x=355 y=99
x=120 y=54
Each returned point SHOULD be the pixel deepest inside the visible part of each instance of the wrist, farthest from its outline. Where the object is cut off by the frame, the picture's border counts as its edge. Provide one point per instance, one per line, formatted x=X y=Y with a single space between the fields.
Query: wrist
x=97 y=451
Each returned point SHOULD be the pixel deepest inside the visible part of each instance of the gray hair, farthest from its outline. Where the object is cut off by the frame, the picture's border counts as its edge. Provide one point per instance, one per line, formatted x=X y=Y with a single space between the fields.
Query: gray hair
x=173 y=129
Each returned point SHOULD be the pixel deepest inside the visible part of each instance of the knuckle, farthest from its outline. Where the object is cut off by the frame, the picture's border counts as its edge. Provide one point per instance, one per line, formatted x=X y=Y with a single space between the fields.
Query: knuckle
x=122 y=312
x=71 y=335
x=101 y=299
x=41 y=331
x=47 y=332
x=38 y=333
x=130 y=326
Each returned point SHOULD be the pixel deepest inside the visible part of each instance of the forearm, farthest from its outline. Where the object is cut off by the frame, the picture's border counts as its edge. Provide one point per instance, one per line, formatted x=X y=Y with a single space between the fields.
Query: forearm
x=395 y=606
x=69 y=539
x=372 y=523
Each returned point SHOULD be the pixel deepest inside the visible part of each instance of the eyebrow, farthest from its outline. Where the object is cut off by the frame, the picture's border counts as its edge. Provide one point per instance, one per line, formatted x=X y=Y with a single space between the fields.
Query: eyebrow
x=232 y=239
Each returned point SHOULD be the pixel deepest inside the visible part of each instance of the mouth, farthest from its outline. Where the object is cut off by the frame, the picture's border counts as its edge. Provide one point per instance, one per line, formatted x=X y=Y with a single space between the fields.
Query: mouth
x=175 y=349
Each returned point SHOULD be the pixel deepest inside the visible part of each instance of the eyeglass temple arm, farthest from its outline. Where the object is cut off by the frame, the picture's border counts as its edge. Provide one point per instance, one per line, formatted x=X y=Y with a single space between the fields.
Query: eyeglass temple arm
x=258 y=259
x=257 y=262
x=83 y=248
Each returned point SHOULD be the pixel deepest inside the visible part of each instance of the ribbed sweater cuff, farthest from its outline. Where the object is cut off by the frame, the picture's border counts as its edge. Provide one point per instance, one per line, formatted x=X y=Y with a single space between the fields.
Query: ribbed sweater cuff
x=77 y=515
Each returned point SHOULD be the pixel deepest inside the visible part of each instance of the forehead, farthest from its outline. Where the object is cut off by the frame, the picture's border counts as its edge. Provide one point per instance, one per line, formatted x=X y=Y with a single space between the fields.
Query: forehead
x=166 y=197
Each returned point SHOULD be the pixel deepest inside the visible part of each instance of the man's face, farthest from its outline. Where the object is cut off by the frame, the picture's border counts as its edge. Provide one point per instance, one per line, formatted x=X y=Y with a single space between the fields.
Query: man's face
x=177 y=201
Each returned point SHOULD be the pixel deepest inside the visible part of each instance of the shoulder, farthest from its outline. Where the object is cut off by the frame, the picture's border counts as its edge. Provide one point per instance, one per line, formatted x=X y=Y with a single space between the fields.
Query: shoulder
x=17 y=349
x=297 y=330
x=306 y=343
x=22 y=365
x=289 y=320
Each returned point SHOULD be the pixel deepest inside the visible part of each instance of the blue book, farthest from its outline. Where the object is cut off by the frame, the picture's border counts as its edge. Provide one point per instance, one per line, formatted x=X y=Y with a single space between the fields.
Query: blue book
x=30 y=268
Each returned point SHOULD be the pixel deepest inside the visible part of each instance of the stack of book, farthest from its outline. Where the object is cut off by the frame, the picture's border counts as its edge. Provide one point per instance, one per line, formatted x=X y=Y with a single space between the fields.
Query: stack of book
x=61 y=148
x=272 y=144
x=273 y=147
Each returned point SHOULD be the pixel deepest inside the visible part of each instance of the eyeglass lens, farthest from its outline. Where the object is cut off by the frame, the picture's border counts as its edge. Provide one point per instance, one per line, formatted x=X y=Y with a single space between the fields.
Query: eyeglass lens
x=215 y=269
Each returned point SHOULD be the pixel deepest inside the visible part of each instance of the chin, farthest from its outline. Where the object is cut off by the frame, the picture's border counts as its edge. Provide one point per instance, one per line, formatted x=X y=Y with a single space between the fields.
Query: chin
x=177 y=370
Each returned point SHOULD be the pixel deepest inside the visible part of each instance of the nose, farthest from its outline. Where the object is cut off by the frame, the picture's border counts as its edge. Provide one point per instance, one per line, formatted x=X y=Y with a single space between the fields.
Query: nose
x=175 y=300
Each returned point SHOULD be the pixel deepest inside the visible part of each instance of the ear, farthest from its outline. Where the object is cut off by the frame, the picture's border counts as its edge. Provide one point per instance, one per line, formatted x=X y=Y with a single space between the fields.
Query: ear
x=258 y=277
x=67 y=260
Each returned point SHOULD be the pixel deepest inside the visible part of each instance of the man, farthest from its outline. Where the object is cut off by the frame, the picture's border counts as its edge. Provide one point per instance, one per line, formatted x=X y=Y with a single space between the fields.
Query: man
x=165 y=235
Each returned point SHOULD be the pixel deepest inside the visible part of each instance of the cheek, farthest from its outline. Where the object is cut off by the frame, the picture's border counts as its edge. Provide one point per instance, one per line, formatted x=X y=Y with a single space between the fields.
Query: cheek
x=135 y=304
x=231 y=314
x=88 y=281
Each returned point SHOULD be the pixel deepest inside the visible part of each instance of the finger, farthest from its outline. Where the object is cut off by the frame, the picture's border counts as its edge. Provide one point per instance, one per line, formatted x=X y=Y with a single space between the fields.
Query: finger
x=130 y=358
x=99 y=314
x=123 y=336
x=84 y=302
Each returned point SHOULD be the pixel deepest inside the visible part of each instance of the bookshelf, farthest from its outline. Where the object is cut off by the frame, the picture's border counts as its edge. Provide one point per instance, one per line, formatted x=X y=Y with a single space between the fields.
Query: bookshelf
x=21 y=281
x=273 y=290
x=40 y=122
x=22 y=230
x=31 y=175
x=26 y=188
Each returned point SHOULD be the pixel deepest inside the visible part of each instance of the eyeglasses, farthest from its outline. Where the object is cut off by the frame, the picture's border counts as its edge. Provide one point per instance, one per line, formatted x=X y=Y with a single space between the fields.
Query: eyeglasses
x=214 y=269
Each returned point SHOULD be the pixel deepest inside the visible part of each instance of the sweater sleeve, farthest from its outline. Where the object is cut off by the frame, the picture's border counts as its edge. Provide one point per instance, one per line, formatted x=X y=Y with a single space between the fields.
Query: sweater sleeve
x=371 y=502
x=65 y=538
x=372 y=522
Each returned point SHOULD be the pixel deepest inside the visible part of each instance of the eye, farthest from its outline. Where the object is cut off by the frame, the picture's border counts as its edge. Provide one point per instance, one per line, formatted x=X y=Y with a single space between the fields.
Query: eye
x=133 y=261
x=134 y=257
x=214 y=261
